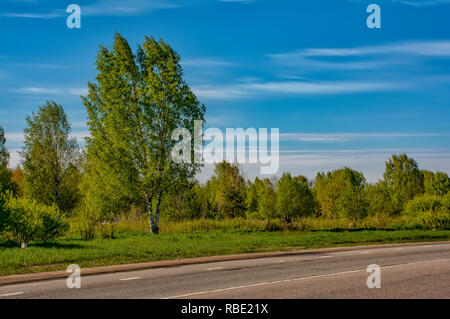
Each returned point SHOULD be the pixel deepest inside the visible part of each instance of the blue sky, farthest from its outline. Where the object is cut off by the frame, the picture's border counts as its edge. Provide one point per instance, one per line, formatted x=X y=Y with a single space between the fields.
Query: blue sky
x=340 y=93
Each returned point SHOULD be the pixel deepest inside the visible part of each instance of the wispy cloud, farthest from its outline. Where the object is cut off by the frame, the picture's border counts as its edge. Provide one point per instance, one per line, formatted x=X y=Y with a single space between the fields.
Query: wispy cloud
x=413 y=3
x=36 y=65
x=16 y=137
x=102 y=8
x=371 y=162
x=37 y=90
x=247 y=90
x=48 y=91
x=422 y=3
x=345 y=137
x=238 y=1
x=34 y=15
x=364 y=57
x=130 y=7
x=206 y=62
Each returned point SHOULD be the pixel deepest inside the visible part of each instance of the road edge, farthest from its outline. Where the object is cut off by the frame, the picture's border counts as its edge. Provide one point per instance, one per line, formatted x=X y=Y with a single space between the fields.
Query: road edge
x=42 y=276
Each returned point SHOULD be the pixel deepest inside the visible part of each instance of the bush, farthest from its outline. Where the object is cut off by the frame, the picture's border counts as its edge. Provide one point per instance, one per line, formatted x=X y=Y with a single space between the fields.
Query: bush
x=86 y=222
x=427 y=203
x=439 y=219
x=24 y=220
x=381 y=202
x=352 y=204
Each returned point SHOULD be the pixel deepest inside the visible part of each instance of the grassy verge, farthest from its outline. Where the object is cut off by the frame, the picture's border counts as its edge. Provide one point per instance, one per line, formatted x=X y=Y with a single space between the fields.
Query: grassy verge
x=129 y=248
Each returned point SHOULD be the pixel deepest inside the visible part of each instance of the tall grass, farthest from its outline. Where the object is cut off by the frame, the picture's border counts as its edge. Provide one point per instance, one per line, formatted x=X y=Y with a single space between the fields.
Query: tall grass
x=139 y=224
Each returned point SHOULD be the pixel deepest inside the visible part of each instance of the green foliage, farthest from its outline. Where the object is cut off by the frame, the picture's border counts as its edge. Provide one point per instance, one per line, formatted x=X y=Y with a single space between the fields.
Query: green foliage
x=84 y=222
x=261 y=199
x=24 y=220
x=135 y=104
x=404 y=178
x=51 y=159
x=6 y=182
x=352 y=203
x=267 y=200
x=4 y=155
x=439 y=219
x=380 y=200
x=437 y=184
x=187 y=201
x=88 y=224
x=428 y=203
x=228 y=191
x=294 y=198
x=330 y=187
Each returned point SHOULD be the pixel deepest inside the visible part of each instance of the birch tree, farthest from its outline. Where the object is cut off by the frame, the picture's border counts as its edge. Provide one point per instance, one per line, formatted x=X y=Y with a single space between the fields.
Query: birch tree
x=133 y=106
x=50 y=158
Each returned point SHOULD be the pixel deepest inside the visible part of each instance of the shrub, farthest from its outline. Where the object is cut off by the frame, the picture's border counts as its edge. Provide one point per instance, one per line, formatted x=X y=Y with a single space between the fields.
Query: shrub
x=352 y=204
x=439 y=219
x=85 y=222
x=25 y=220
x=426 y=203
x=381 y=201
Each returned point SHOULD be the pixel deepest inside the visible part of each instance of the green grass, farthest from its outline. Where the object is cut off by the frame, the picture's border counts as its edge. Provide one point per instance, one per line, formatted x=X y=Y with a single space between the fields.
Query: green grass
x=129 y=247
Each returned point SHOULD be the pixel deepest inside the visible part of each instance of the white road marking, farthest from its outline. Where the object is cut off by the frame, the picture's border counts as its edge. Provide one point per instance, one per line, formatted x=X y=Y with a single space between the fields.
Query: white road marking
x=327 y=256
x=427 y=246
x=131 y=278
x=300 y=279
x=12 y=294
x=365 y=252
x=281 y=261
x=214 y=268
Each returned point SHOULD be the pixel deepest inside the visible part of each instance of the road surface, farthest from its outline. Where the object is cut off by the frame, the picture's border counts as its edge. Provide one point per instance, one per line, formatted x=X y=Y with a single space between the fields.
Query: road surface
x=413 y=271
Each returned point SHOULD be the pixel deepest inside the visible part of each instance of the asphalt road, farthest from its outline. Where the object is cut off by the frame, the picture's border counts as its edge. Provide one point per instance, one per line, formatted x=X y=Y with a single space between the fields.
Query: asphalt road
x=417 y=271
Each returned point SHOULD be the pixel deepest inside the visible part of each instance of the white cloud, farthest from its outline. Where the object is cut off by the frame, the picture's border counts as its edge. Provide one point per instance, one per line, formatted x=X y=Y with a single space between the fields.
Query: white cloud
x=102 y=8
x=238 y=1
x=370 y=162
x=14 y=137
x=125 y=8
x=373 y=57
x=14 y=158
x=33 y=15
x=37 y=90
x=37 y=65
x=46 y=91
x=300 y=87
x=219 y=92
x=206 y=62
x=78 y=91
x=17 y=137
x=423 y=48
x=247 y=90
x=343 y=137
x=422 y=3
